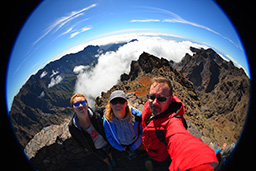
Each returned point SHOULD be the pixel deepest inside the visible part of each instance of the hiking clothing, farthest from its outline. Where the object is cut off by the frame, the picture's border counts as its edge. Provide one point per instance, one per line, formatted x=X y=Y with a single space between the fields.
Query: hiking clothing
x=103 y=152
x=185 y=150
x=124 y=130
x=204 y=167
x=97 y=139
x=83 y=137
x=111 y=131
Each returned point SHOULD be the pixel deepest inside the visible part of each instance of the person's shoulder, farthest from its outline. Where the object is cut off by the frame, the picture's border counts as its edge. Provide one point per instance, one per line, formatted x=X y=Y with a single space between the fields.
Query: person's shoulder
x=71 y=122
x=137 y=115
x=97 y=112
x=99 y=109
x=72 y=127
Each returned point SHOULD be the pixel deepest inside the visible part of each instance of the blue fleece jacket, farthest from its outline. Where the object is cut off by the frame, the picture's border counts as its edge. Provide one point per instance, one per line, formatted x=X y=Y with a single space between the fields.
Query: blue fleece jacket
x=111 y=135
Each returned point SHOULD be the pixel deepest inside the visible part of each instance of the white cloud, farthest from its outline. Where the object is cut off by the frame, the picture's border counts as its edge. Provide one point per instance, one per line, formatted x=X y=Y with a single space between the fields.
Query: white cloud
x=66 y=32
x=80 y=69
x=181 y=20
x=175 y=18
x=60 y=22
x=114 y=37
x=80 y=31
x=112 y=64
x=85 y=29
x=54 y=73
x=74 y=34
x=234 y=61
x=146 y=20
x=43 y=74
x=42 y=94
x=55 y=81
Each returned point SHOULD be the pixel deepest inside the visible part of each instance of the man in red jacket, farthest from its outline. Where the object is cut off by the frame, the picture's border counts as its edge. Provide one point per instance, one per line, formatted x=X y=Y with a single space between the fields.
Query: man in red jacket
x=163 y=115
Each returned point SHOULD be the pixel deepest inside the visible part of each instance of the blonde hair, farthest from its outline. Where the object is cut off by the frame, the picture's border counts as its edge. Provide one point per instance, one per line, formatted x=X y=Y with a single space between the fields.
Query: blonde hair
x=109 y=112
x=76 y=95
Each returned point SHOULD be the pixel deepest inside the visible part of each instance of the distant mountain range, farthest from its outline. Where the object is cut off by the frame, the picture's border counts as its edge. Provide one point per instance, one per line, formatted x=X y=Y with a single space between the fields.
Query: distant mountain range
x=44 y=99
x=215 y=92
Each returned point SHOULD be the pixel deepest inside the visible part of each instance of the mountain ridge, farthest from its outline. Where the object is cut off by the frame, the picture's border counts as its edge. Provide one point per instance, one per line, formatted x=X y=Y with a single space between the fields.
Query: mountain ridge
x=53 y=148
x=215 y=93
x=44 y=98
x=203 y=81
x=224 y=91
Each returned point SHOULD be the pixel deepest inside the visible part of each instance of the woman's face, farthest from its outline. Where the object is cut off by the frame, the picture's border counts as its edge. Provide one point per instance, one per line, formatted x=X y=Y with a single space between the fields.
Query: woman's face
x=118 y=106
x=81 y=108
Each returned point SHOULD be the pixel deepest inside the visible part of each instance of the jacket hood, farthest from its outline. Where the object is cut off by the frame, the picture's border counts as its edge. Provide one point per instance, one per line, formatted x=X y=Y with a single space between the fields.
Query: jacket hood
x=176 y=106
x=74 y=119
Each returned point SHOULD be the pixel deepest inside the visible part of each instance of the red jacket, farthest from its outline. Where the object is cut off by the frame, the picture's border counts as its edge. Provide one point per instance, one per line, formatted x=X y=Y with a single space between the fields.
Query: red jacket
x=185 y=150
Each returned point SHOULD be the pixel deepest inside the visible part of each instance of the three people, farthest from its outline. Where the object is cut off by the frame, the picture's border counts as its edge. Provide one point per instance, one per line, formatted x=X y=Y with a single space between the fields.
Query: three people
x=122 y=124
x=160 y=128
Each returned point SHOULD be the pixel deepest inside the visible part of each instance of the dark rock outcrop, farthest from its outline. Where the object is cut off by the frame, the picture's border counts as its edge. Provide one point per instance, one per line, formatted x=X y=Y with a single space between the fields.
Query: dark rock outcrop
x=215 y=93
x=215 y=108
x=43 y=99
x=223 y=90
x=53 y=148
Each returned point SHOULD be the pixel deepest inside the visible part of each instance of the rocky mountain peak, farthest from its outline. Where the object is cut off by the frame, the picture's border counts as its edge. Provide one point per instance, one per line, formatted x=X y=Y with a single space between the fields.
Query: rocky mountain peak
x=44 y=98
x=148 y=62
x=205 y=68
x=214 y=92
x=223 y=90
x=145 y=64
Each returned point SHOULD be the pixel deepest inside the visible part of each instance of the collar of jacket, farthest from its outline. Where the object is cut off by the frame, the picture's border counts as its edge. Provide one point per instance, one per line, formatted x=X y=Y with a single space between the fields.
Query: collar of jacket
x=174 y=107
x=75 y=122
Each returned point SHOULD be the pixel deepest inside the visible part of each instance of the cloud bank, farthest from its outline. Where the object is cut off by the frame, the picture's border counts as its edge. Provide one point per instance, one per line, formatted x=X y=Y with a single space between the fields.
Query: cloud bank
x=112 y=64
x=55 y=81
x=80 y=68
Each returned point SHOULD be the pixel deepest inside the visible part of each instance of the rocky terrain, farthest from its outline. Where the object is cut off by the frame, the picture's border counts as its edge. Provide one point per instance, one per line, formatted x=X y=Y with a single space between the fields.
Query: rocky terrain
x=215 y=94
x=223 y=90
x=43 y=99
x=53 y=148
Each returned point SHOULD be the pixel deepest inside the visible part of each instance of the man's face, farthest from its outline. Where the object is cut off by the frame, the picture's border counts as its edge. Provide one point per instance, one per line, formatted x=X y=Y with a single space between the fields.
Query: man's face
x=159 y=90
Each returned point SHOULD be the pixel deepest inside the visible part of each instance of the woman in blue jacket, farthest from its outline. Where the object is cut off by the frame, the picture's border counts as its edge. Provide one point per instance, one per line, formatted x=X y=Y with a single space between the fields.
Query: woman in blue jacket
x=122 y=124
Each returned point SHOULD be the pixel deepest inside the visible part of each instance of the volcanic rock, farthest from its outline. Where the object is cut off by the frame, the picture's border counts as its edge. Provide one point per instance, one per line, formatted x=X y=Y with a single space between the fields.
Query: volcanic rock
x=53 y=148
x=215 y=94
x=223 y=90
x=44 y=99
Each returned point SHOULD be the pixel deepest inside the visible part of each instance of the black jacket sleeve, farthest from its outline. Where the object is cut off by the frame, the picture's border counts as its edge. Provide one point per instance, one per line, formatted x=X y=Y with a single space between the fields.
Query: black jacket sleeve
x=83 y=138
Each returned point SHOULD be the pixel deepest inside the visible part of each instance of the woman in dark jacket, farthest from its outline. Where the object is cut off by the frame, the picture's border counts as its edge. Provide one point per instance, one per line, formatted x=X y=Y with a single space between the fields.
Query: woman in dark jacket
x=86 y=128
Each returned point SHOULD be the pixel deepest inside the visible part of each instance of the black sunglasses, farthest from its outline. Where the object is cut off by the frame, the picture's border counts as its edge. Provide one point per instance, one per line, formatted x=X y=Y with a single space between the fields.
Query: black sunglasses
x=160 y=99
x=117 y=100
x=77 y=104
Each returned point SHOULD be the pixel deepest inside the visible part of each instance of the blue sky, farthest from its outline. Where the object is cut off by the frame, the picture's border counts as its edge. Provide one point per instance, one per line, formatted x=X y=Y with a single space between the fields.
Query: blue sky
x=56 y=26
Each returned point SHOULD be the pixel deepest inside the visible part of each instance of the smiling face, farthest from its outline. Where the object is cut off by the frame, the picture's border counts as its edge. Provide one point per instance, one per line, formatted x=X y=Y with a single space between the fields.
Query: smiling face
x=118 y=106
x=159 y=90
x=81 y=109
